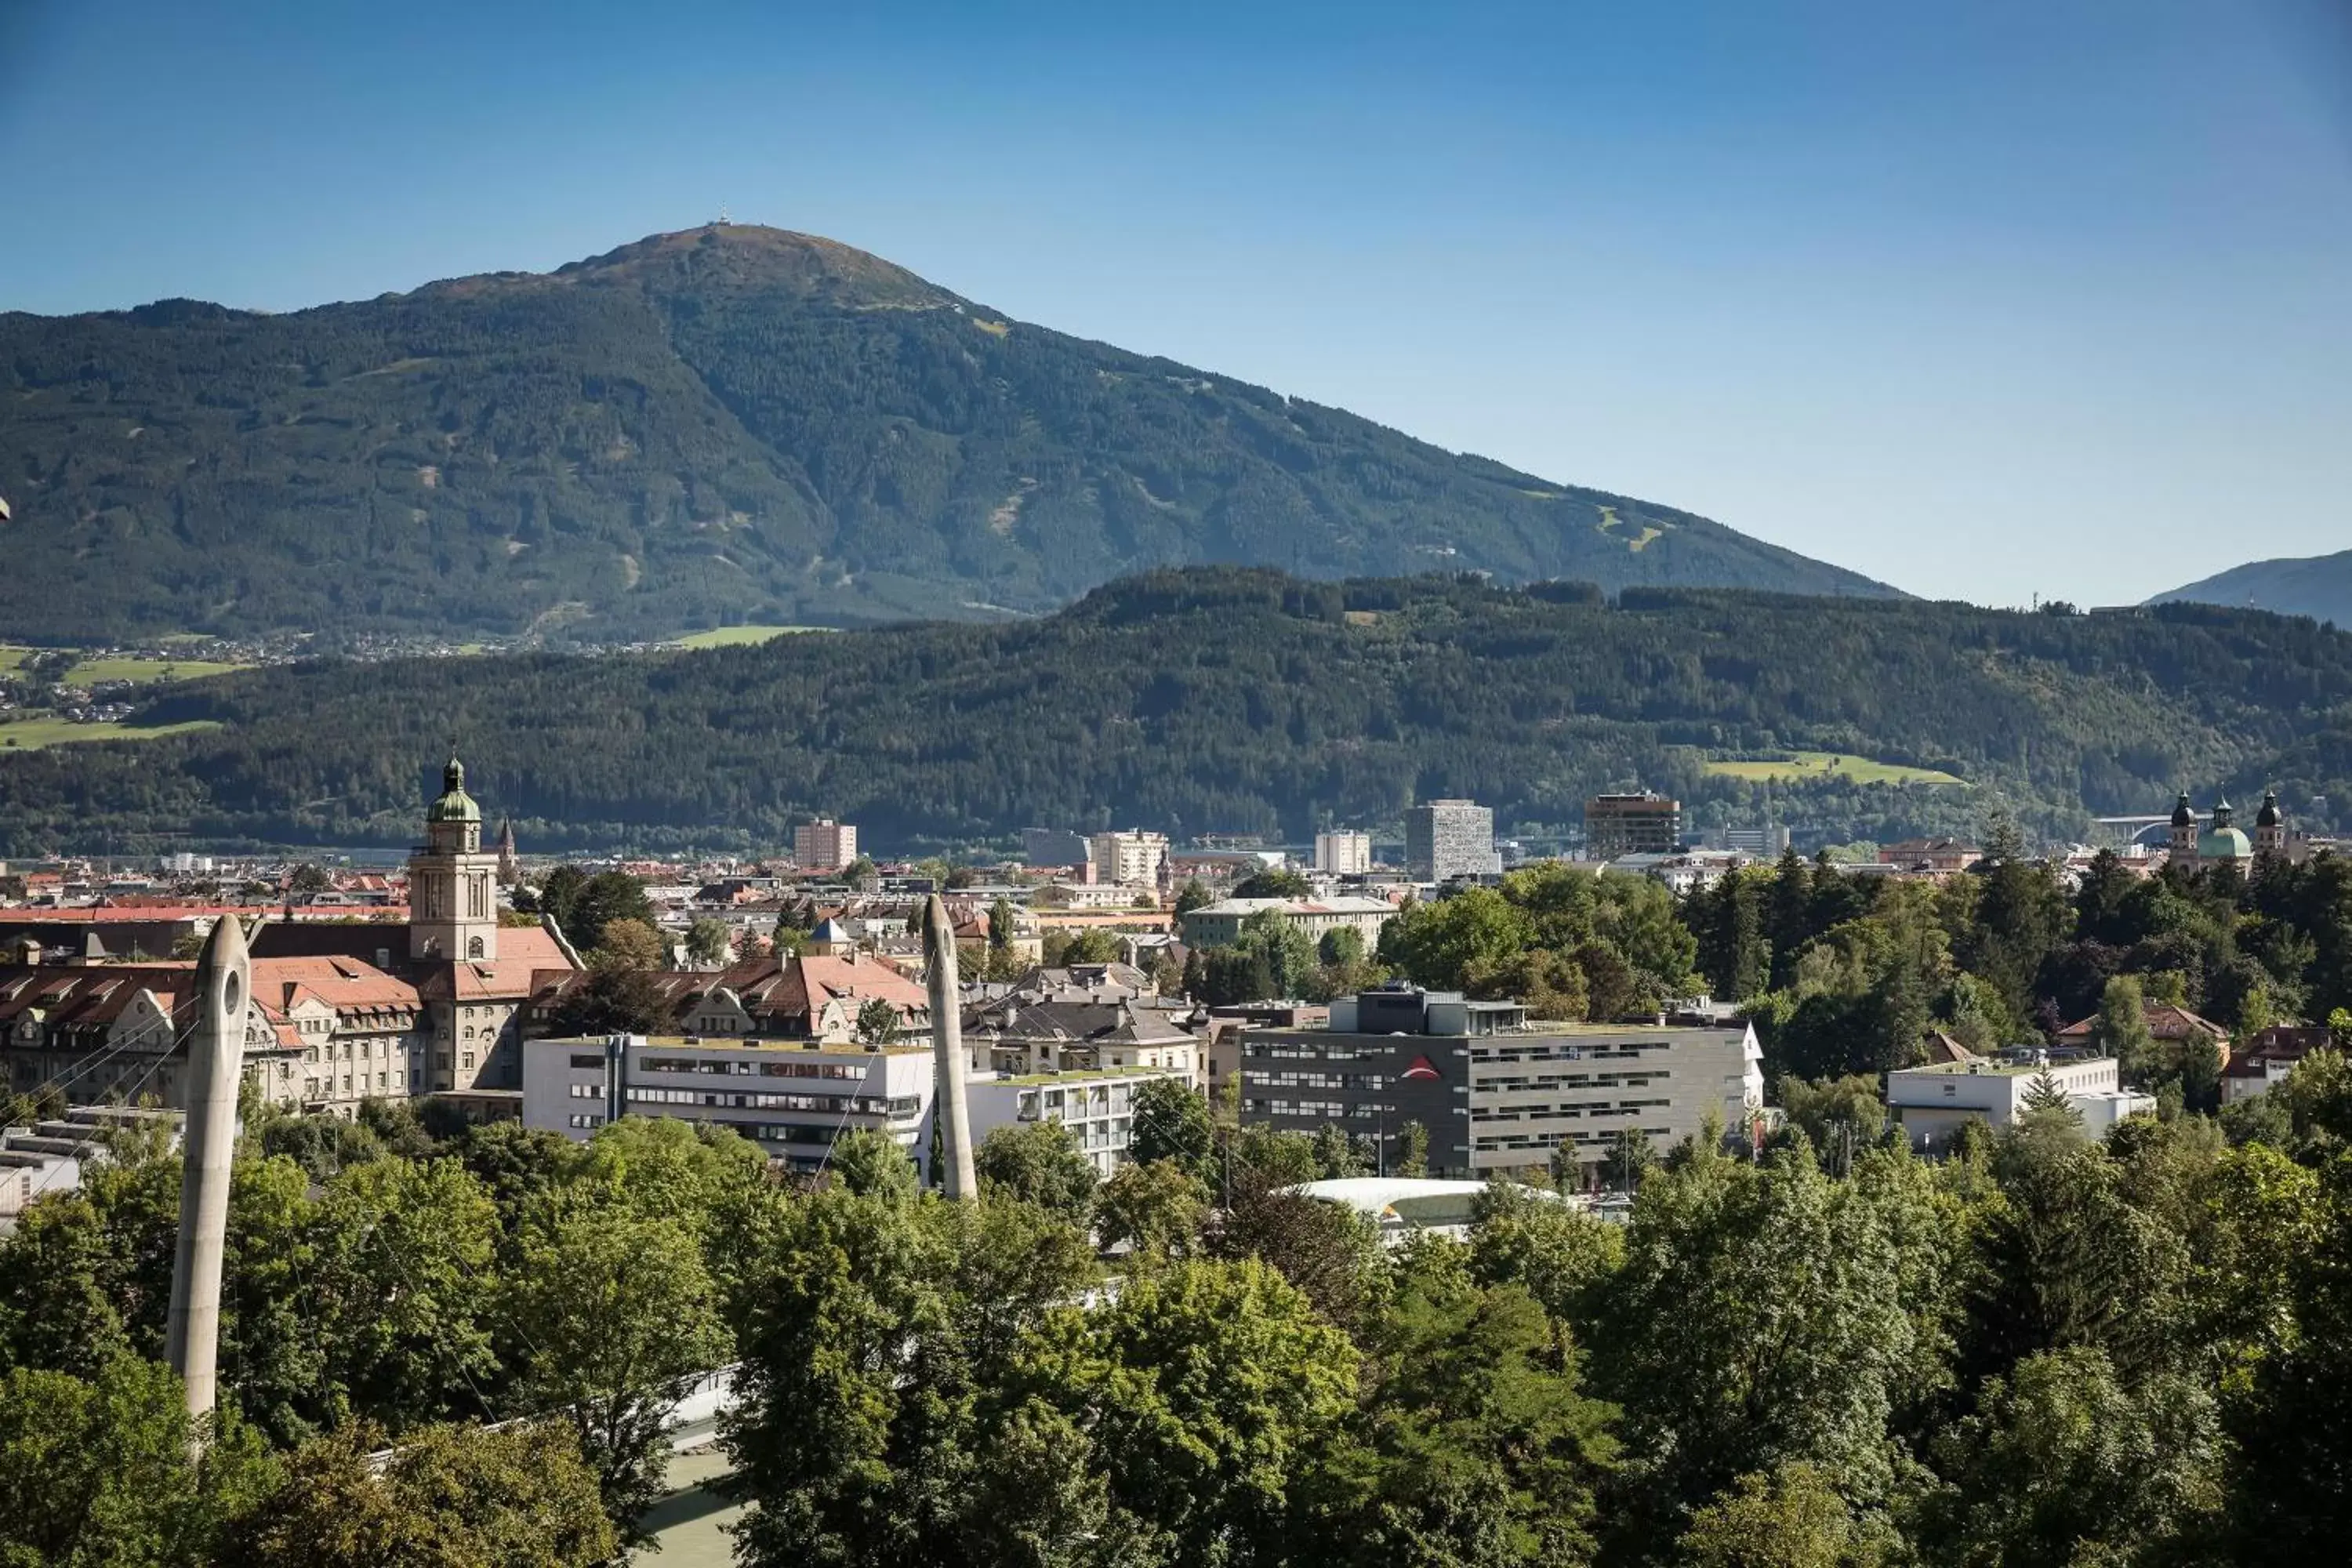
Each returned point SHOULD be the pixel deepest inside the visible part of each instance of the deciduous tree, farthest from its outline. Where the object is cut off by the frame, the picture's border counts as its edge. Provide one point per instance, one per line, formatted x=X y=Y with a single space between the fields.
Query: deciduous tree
x=1038 y=1162
x=612 y=1312
x=1156 y=1208
x=1171 y=1121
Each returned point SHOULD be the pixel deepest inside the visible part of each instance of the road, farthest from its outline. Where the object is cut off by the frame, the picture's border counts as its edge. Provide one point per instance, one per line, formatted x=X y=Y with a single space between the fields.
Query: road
x=690 y=1523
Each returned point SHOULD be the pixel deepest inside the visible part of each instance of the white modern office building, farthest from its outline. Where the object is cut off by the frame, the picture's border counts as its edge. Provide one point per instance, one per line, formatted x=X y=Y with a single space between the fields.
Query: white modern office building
x=1580 y=1088
x=793 y=1098
x=1220 y=924
x=1930 y=1102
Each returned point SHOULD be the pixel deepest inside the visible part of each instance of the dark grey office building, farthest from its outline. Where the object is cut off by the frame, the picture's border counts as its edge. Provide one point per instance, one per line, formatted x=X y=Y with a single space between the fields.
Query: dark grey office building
x=1053 y=846
x=1644 y=824
x=1388 y=1057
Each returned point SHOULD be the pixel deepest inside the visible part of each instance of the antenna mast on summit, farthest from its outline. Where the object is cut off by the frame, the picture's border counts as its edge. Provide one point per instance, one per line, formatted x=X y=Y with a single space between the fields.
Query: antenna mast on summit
x=724 y=220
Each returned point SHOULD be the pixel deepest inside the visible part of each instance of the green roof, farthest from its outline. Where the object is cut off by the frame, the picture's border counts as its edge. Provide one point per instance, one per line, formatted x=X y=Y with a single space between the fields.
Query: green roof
x=1080 y=1076
x=455 y=804
x=2224 y=844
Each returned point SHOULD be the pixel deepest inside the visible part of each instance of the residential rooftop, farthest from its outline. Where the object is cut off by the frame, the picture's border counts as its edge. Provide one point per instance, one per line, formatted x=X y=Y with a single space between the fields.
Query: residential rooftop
x=1988 y=1067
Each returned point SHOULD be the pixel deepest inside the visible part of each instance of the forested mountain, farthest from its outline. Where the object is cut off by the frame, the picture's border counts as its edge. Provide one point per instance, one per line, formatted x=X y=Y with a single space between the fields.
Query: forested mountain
x=724 y=426
x=2319 y=586
x=1222 y=698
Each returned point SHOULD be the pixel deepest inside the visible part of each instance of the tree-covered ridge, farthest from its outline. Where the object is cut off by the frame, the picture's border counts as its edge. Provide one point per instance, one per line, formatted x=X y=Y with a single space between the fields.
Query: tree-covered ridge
x=1230 y=700
x=728 y=424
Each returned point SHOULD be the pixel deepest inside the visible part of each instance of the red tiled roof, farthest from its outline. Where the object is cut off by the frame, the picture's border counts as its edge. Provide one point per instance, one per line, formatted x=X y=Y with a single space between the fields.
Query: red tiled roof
x=2281 y=1043
x=2165 y=1021
x=341 y=982
x=90 y=1000
x=91 y=914
x=778 y=993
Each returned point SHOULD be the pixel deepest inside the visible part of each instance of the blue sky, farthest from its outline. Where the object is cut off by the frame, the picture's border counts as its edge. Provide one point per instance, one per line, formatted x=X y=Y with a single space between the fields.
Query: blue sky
x=1988 y=300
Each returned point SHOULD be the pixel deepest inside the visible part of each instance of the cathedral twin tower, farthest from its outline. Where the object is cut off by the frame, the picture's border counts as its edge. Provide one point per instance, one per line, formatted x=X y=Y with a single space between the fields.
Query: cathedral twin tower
x=2223 y=842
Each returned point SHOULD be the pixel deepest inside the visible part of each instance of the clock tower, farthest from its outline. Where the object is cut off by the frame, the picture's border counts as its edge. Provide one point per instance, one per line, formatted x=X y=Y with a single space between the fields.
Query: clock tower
x=453 y=907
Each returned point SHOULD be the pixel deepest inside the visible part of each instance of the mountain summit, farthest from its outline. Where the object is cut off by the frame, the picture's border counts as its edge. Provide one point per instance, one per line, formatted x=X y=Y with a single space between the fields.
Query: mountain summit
x=2319 y=586
x=730 y=424
x=739 y=259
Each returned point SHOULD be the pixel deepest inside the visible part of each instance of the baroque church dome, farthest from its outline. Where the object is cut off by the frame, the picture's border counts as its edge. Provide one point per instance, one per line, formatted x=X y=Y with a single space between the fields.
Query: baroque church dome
x=455 y=804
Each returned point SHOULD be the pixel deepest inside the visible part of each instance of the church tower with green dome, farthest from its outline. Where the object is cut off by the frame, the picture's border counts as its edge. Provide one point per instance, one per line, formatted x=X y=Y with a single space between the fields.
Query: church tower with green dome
x=2224 y=842
x=453 y=907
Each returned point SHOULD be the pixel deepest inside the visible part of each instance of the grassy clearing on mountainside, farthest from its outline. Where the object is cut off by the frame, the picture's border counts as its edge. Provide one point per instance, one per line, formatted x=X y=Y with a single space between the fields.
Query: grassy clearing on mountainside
x=143 y=671
x=1798 y=767
x=739 y=636
x=31 y=734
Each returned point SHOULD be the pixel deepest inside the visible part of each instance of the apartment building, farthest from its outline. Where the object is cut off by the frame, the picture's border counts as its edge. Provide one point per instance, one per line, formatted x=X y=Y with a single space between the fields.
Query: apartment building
x=365 y=1035
x=1054 y=1051
x=1128 y=860
x=1343 y=854
x=824 y=845
x=122 y=1032
x=812 y=994
x=1097 y=1107
x=2269 y=1058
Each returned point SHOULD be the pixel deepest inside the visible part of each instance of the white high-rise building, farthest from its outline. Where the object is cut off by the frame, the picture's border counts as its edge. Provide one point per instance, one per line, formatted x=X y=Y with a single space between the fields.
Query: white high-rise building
x=1128 y=860
x=1343 y=854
